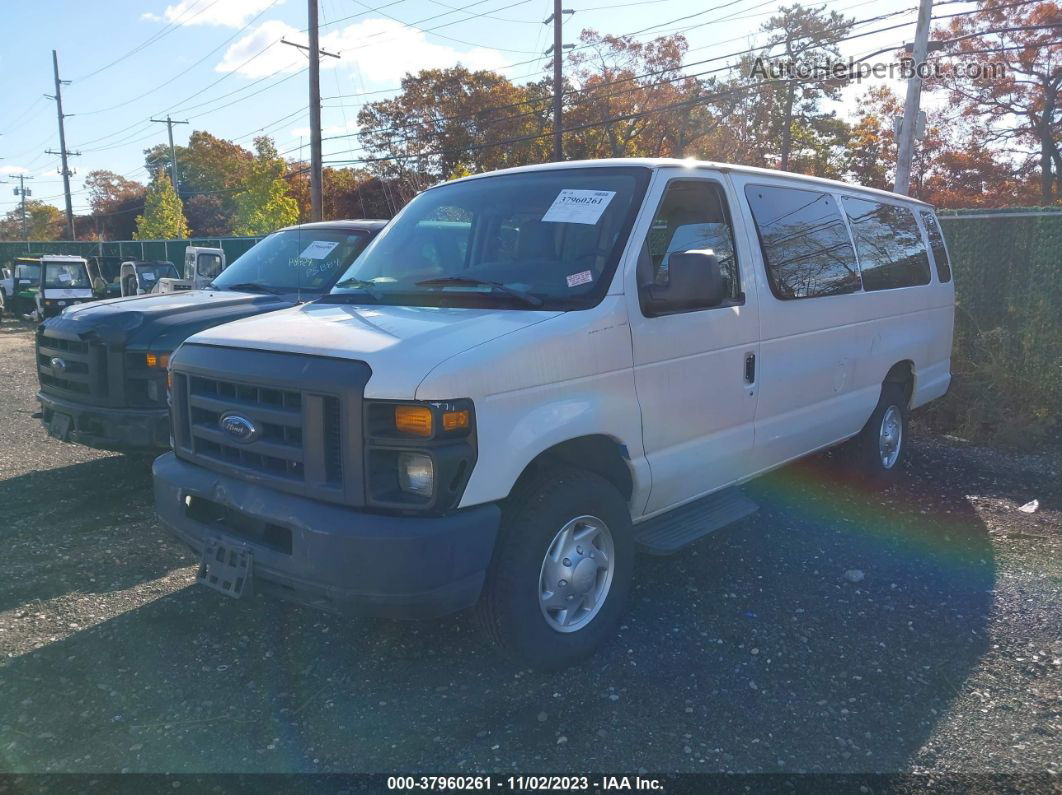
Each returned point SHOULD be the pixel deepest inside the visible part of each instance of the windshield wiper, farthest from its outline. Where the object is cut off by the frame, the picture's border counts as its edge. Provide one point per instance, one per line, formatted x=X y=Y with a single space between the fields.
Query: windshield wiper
x=252 y=287
x=354 y=281
x=363 y=287
x=445 y=281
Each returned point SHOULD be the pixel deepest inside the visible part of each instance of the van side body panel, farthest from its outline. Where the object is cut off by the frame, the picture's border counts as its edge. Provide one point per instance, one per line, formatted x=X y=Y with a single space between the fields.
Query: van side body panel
x=567 y=377
x=823 y=359
x=689 y=368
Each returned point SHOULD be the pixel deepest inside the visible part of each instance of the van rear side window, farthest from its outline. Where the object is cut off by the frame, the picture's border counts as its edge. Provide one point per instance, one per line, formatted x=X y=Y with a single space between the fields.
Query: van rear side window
x=889 y=244
x=936 y=245
x=805 y=243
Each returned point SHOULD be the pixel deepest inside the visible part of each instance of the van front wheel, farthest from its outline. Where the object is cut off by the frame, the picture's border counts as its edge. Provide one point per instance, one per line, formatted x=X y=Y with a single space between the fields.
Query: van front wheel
x=880 y=447
x=562 y=570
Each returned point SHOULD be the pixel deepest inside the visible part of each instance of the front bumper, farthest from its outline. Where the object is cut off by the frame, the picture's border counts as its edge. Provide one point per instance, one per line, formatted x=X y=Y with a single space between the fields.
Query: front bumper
x=110 y=429
x=329 y=556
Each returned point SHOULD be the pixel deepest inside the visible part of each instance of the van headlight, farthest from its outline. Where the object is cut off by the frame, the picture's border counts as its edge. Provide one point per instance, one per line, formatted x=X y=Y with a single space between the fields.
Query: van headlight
x=418 y=454
x=416 y=474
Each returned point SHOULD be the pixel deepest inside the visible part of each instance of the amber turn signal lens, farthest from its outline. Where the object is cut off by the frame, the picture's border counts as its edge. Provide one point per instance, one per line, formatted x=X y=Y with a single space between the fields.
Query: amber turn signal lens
x=157 y=360
x=416 y=420
x=455 y=420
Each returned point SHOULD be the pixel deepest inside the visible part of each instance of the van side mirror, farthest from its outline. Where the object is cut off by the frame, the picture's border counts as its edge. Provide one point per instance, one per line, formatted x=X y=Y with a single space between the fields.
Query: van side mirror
x=694 y=281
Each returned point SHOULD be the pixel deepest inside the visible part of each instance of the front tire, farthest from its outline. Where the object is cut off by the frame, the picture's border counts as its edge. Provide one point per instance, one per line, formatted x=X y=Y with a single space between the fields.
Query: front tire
x=562 y=569
x=879 y=449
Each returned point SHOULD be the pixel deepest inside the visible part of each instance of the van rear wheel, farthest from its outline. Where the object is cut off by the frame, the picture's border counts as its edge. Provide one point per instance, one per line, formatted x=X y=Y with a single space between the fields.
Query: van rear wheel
x=562 y=570
x=879 y=449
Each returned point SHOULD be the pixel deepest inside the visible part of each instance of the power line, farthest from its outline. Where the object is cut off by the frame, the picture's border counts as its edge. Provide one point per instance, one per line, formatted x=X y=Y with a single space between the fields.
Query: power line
x=632 y=78
x=165 y=31
x=681 y=77
x=184 y=71
x=432 y=30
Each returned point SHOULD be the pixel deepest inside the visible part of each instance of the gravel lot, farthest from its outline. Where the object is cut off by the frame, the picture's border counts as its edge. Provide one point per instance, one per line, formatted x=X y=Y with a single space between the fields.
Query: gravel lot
x=762 y=648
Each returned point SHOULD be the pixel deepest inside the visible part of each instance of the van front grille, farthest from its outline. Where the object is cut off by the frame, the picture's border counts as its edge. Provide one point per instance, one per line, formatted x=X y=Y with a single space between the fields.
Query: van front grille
x=293 y=422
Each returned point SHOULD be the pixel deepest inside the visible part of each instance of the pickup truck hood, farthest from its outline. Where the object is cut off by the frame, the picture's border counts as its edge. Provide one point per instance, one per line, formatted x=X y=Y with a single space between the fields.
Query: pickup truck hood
x=400 y=343
x=162 y=322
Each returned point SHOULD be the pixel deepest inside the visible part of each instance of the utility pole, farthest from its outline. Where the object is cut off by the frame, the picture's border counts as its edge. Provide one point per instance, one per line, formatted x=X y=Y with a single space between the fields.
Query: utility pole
x=23 y=193
x=314 y=52
x=905 y=144
x=558 y=48
x=173 y=152
x=63 y=153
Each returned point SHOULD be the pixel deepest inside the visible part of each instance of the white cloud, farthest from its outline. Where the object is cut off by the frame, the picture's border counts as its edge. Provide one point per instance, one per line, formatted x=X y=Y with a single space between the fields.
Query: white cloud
x=380 y=50
x=14 y=170
x=225 y=13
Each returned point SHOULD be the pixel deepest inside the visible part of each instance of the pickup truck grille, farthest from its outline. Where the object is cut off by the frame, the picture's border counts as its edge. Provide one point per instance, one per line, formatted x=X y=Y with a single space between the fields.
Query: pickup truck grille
x=71 y=368
x=303 y=412
x=94 y=374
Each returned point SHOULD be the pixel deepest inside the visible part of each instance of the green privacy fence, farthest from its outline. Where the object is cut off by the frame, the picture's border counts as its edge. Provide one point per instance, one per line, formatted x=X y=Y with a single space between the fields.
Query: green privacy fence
x=1007 y=358
x=172 y=250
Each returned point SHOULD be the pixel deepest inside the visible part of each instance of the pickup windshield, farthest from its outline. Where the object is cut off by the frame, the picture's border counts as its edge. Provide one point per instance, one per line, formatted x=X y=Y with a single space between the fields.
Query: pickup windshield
x=295 y=259
x=152 y=272
x=548 y=239
x=66 y=276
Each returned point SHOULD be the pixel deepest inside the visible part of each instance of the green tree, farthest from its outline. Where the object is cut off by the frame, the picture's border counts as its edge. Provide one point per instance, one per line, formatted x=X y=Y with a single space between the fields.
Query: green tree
x=265 y=205
x=807 y=37
x=211 y=170
x=43 y=222
x=163 y=217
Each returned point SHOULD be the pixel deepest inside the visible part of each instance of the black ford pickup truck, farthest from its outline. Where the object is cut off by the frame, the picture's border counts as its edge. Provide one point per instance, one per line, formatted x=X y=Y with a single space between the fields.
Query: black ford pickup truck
x=102 y=366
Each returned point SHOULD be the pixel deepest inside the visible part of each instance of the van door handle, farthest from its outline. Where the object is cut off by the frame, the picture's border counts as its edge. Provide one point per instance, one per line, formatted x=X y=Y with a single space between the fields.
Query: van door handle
x=750 y=368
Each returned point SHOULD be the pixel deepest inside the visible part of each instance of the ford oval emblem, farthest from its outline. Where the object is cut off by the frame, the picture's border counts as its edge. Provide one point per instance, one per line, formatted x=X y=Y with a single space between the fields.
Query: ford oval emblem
x=239 y=428
x=58 y=364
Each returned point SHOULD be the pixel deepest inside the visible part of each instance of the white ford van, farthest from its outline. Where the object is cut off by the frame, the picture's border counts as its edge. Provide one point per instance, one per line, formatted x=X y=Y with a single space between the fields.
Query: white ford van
x=530 y=373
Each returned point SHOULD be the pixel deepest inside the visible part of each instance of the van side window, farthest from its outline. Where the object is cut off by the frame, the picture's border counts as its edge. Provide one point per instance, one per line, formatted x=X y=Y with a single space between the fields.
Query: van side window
x=889 y=244
x=693 y=216
x=805 y=243
x=936 y=245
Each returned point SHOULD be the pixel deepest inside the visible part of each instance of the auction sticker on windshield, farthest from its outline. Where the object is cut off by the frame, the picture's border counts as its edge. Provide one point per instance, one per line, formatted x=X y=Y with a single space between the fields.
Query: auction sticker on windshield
x=318 y=249
x=578 y=206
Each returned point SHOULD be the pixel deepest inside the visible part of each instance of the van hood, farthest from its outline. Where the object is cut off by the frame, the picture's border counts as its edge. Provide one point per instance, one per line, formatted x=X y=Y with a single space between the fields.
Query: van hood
x=161 y=322
x=401 y=344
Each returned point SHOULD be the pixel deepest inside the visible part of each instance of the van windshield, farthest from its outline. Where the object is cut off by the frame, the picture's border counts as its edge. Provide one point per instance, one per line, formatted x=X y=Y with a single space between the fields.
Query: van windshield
x=295 y=259
x=548 y=239
x=66 y=275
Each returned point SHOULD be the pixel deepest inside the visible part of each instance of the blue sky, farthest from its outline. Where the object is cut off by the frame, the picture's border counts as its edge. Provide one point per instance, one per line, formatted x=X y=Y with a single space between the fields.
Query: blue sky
x=220 y=65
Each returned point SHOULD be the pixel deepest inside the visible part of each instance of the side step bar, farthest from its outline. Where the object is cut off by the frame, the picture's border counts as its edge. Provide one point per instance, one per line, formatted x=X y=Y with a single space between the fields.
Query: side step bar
x=679 y=528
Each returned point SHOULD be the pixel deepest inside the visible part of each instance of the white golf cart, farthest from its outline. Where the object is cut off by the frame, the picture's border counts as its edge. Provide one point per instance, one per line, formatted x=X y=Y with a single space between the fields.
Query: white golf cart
x=66 y=280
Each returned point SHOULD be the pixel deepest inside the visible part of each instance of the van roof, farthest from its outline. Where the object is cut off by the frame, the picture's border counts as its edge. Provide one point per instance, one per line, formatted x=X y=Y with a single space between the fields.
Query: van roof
x=690 y=163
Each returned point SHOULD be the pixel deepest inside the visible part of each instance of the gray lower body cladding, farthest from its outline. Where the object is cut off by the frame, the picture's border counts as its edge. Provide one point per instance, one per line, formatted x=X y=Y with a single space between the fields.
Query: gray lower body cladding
x=330 y=556
x=110 y=429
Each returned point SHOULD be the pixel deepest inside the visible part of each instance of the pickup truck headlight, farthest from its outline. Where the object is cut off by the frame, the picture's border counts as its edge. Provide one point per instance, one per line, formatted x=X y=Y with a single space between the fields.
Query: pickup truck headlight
x=418 y=454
